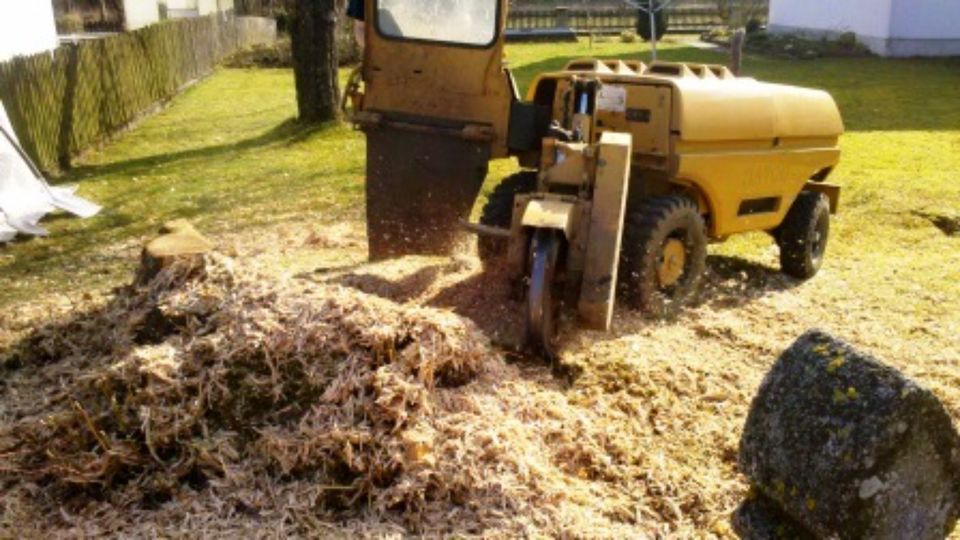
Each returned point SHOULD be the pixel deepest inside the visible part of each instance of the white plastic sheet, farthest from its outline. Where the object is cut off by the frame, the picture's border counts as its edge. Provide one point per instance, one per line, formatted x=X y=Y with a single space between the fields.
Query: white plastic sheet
x=25 y=197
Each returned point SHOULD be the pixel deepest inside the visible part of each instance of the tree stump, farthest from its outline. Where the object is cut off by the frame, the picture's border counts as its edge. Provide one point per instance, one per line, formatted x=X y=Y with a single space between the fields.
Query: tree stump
x=178 y=240
x=849 y=447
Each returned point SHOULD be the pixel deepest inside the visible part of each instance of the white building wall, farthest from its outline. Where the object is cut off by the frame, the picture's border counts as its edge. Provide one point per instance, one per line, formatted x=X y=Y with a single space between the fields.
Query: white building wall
x=864 y=17
x=26 y=27
x=925 y=28
x=140 y=13
x=206 y=7
x=925 y=19
x=887 y=27
x=181 y=8
x=182 y=4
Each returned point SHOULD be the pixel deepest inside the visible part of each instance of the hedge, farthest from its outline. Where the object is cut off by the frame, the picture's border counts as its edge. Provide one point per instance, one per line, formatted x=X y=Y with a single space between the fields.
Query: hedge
x=64 y=102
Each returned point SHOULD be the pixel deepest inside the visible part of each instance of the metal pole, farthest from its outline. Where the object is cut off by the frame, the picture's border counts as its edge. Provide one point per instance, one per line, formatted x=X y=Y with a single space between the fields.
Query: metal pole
x=653 y=28
x=736 y=51
x=586 y=9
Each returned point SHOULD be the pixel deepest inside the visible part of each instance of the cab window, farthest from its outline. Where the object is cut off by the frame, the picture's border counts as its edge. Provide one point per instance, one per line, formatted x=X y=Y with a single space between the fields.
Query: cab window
x=461 y=22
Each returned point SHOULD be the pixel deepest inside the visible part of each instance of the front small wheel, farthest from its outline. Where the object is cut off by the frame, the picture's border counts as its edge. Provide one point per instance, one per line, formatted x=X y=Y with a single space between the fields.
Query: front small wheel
x=543 y=293
x=803 y=235
x=664 y=255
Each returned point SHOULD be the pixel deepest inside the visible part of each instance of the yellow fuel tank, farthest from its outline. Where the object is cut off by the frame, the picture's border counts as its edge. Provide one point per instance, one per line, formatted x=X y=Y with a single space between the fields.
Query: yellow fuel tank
x=749 y=147
x=746 y=147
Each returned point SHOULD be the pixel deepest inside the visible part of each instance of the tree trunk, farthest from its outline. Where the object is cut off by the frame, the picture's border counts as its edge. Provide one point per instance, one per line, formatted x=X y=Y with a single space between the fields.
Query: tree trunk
x=313 y=36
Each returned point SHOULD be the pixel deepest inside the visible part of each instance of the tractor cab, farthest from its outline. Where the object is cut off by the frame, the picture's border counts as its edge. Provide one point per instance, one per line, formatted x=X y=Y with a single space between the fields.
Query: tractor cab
x=435 y=109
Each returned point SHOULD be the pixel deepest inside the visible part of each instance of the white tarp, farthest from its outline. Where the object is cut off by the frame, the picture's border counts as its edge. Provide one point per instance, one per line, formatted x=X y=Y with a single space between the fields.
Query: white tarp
x=25 y=197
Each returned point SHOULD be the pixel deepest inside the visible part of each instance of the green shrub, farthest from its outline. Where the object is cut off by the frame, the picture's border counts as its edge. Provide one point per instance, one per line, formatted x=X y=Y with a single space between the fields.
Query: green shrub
x=348 y=51
x=846 y=40
x=643 y=21
x=719 y=35
x=628 y=36
x=273 y=55
x=761 y=38
x=283 y=20
x=70 y=23
x=799 y=46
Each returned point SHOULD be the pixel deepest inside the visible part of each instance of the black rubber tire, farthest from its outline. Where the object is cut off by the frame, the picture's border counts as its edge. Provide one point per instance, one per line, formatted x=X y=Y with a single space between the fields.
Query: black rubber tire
x=543 y=295
x=646 y=231
x=803 y=235
x=498 y=212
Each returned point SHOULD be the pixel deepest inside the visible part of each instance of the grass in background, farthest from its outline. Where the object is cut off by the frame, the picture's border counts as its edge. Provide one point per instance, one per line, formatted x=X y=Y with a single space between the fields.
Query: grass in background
x=228 y=155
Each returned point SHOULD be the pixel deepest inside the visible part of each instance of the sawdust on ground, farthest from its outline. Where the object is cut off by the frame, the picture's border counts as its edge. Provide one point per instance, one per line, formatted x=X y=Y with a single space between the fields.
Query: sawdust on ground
x=294 y=389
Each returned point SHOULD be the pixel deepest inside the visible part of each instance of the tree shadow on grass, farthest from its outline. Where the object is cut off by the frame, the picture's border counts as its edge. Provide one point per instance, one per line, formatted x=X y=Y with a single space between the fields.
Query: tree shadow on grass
x=81 y=238
x=947 y=224
x=288 y=132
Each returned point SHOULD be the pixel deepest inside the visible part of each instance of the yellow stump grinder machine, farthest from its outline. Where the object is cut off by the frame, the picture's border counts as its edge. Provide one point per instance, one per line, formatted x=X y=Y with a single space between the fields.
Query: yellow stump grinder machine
x=628 y=169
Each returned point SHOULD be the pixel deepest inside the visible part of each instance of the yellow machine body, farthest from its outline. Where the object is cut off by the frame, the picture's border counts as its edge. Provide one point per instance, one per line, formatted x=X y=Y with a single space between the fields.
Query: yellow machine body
x=438 y=103
x=435 y=107
x=743 y=149
x=439 y=84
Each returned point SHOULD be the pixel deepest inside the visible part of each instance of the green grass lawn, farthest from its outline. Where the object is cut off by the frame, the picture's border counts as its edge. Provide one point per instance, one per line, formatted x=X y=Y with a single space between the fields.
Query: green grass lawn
x=228 y=155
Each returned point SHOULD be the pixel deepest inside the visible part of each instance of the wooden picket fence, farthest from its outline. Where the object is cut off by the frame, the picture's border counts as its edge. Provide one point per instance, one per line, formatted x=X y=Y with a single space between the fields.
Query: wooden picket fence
x=63 y=102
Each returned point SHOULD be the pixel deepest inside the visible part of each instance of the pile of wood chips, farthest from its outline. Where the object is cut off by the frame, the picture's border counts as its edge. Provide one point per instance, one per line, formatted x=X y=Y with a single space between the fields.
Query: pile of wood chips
x=217 y=401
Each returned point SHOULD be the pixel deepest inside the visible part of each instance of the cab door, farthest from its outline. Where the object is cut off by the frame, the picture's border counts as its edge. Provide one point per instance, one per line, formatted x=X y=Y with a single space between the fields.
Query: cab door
x=435 y=111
